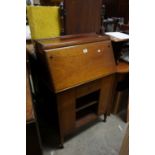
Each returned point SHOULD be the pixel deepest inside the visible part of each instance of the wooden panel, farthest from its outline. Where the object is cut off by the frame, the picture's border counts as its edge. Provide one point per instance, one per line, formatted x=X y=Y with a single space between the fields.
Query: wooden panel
x=111 y=8
x=50 y=2
x=123 y=10
x=70 y=66
x=29 y=108
x=69 y=40
x=125 y=144
x=88 y=88
x=83 y=121
x=123 y=67
x=107 y=94
x=33 y=144
x=66 y=108
x=82 y=16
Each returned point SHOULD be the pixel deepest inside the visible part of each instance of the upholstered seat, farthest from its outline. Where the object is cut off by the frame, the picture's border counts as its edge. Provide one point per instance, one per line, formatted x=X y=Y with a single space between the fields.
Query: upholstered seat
x=44 y=21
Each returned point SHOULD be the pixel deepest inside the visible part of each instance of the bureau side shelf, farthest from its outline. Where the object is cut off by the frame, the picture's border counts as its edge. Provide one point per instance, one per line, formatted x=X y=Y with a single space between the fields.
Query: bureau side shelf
x=87 y=105
x=122 y=67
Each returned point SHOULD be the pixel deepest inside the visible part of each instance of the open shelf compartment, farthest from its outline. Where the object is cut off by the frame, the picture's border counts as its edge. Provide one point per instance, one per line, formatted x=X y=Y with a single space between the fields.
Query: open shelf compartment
x=86 y=108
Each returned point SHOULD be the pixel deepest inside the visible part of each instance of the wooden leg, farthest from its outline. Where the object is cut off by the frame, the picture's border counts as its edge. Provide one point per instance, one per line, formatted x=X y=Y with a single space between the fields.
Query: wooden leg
x=105 y=117
x=117 y=102
x=127 y=117
x=61 y=146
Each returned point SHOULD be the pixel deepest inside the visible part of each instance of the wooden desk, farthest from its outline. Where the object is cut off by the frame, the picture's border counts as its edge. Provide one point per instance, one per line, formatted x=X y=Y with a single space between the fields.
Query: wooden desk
x=79 y=71
x=118 y=40
x=118 y=36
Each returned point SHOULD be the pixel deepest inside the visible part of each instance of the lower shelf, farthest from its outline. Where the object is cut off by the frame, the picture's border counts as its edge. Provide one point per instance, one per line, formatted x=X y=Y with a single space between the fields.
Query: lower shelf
x=86 y=106
x=86 y=119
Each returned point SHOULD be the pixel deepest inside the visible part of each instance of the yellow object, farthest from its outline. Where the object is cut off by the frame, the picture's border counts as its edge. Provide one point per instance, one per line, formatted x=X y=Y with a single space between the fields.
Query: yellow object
x=44 y=21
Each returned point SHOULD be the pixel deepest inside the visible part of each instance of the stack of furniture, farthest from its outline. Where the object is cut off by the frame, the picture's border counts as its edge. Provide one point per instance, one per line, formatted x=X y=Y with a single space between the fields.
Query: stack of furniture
x=79 y=72
x=80 y=16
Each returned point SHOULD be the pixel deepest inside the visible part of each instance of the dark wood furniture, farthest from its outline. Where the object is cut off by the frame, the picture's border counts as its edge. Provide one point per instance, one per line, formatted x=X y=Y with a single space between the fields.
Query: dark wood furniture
x=117 y=8
x=121 y=101
x=29 y=102
x=82 y=16
x=33 y=143
x=78 y=70
x=125 y=143
x=50 y=2
x=29 y=108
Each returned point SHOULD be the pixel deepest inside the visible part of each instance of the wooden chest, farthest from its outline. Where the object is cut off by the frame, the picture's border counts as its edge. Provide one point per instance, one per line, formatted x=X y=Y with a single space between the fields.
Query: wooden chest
x=75 y=60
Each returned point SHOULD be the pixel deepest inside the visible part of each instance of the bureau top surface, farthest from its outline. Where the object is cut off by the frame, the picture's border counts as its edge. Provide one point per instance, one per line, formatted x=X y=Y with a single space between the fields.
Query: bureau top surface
x=70 y=40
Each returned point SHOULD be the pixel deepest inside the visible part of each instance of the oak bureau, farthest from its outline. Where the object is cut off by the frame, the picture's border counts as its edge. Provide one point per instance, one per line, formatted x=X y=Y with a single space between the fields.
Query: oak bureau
x=80 y=71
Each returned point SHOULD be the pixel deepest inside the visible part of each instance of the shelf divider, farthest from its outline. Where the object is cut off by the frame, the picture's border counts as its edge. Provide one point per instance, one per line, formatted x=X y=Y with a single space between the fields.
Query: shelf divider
x=87 y=105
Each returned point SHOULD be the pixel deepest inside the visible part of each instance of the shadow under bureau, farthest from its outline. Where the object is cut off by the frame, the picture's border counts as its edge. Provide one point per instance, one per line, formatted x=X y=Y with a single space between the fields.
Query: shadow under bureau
x=79 y=71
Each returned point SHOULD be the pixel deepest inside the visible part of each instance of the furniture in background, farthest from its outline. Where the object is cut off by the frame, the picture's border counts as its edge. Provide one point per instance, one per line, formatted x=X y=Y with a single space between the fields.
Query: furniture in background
x=80 y=16
x=125 y=143
x=44 y=21
x=124 y=28
x=78 y=72
x=121 y=101
x=117 y=8
x=29 y=108
x=113 y=24
x=33 y=143
x=50 y=2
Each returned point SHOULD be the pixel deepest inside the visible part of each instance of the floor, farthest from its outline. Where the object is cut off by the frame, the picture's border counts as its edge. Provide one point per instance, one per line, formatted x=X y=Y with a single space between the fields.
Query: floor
x=98 y=139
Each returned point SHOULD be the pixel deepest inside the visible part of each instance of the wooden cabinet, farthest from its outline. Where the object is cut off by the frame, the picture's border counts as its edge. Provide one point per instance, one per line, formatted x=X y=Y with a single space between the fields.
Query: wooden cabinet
x=82 y=16
x=80 y=71
x=66 y=109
